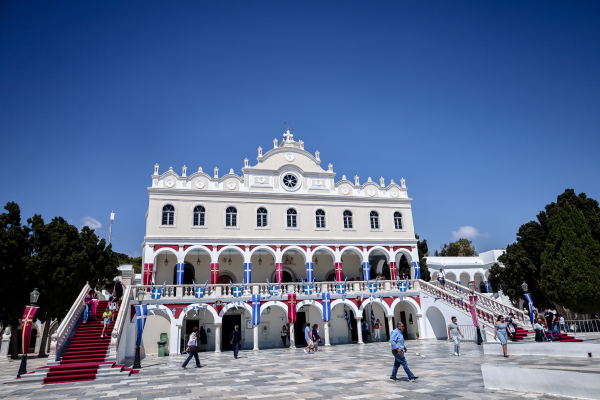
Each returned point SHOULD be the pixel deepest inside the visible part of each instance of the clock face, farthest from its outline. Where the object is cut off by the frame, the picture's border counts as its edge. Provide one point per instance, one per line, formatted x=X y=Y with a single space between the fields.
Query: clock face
x=170 y=183
x=289 y=157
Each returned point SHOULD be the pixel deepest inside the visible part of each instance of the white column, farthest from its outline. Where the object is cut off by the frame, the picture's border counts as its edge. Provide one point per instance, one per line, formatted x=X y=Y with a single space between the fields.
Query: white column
x=390 y=326
x=217 y=338
x=173 y=337
x=292 y=337
x=326 y=328
x=255 y=329
x=359 y=329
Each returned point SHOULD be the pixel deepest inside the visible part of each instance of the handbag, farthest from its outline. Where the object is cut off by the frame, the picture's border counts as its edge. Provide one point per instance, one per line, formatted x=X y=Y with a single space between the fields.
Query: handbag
x=193 y=348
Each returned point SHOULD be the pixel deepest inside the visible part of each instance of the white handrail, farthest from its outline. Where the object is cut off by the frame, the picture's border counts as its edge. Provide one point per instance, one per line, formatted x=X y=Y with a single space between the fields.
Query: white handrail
x=121 y=318
x=67 y=325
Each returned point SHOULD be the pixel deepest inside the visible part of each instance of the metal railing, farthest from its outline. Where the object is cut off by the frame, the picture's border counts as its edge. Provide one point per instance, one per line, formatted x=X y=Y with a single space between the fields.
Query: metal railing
x=580 y=326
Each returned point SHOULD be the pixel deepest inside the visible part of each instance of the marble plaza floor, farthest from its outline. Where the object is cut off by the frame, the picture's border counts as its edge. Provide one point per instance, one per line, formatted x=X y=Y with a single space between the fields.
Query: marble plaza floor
x=337 y=372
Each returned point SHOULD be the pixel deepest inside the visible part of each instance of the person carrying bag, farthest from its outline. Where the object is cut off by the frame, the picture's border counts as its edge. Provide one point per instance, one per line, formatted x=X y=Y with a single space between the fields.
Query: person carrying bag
x=192 y=349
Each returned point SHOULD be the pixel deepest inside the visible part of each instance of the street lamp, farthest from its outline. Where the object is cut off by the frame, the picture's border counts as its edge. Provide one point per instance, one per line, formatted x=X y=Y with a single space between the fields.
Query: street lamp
x=136 y=362
x=198 y=261
x=525 y=286
x=166 y=260
x=473 y=299
x=27 y=322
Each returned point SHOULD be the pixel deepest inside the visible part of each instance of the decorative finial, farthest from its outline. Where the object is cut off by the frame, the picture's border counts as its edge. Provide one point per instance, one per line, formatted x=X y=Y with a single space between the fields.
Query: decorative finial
x=200 y=169
x=381 y=182
x=356 y=180
x=403 y=182
x=231 y=171
x=369 y=180
x=301 y=144
x=245 y=162
x=155 y=169
x=343 y=177
x=216 y=172
x=275 y=142
x=184 y=171
x=330 y=166
x=260 y=151
x=170 y=168
x=317 y=155
x=391 y=181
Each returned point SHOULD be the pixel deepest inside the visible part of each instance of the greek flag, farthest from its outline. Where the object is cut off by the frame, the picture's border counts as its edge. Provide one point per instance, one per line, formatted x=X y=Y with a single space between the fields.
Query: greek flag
x=273 y=290
x=347 y=319
x=341 y=287
x=417 y=266
x=402 y=286
x=237 y=290
x=248 y=273
x=204 y=307
x=528 y=297
x=156 y=293
x=326 y=297
x=408 y=282
x=152 y=312
x=256 y=309
x=180 y=269
x=309 y=272
x=372 y=317
x=373 y=286
x=366 y=271
x=196 y=309
x=141 y=312
x=199 y=292
x=487 y=286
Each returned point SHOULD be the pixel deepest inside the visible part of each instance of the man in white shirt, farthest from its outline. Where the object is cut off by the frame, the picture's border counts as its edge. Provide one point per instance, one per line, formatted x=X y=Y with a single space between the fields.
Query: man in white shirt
x=453 y=332
x=441 y=278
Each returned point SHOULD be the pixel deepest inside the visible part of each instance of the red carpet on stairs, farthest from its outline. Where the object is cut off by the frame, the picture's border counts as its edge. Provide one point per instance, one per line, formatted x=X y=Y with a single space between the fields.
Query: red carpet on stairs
x=86 y=352
x=522 y=333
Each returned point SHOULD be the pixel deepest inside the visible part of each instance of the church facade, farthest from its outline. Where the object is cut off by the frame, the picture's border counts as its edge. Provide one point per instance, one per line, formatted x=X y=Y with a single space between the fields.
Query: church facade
x=284 y=220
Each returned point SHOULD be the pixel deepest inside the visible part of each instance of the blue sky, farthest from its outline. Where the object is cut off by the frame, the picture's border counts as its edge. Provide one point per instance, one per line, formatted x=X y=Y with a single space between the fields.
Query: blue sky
x=489 y=110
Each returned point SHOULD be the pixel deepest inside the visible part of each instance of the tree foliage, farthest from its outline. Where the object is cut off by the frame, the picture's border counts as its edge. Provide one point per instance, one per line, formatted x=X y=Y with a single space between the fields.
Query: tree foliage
x=558 y=256
x=124 y=259
x=56 y=258
x=460 y=248
x=423 y=254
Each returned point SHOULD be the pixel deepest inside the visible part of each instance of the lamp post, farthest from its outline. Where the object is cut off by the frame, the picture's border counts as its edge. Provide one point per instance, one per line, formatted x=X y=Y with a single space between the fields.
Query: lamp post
x=525 y=288
x=473 y=299
x=136 y=362
x=27 y=321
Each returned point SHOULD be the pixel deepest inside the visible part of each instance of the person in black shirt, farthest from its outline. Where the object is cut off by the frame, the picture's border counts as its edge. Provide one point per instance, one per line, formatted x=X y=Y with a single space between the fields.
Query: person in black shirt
x=203 y=339
x=552 y=323
x=236 y=340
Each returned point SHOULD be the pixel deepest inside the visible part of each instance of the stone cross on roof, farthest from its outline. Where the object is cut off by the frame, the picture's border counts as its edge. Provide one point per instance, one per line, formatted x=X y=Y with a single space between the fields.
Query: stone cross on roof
x=288 y=136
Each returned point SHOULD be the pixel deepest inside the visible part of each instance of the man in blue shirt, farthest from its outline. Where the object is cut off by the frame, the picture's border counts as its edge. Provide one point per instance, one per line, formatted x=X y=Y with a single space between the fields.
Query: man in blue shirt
x=398 y=349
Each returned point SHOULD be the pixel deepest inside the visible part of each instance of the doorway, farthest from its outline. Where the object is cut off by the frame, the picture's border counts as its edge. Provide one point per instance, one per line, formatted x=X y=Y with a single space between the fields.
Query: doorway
x=287 y=277
x=229 y=321
x=353 y=332
x=299 y=329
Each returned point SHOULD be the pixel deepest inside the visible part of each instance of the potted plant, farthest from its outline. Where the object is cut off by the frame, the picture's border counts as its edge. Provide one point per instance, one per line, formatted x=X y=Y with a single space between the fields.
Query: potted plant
x=417 y=335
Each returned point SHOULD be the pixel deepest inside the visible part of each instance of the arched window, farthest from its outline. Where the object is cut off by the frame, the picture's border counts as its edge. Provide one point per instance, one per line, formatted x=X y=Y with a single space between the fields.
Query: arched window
x=347 y=219
x=231 y=216
x=261 y=217
x=291 y=218
x=374 y=220
x=320 y=214
x=199 y=214
x=168 y=215
x=397 y=220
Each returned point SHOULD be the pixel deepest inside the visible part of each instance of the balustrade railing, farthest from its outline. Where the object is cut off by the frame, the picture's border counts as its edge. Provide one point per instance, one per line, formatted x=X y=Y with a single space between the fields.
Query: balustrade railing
x=485 y=302
x=119 y=323
x=225 y=290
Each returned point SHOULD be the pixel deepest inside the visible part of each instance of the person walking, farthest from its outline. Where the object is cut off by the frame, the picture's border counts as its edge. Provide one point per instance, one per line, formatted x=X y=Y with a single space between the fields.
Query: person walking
x=284 y=335
x=94 y=305
x=307 y=337
x=119 y=289
x=106 y=319
x=365 y=331
x=398 y=349
x=552 y=324
x=561 y=321
x=376 y=327
x=192 y=349
x=442 y=279
x=315 y=337
x=236 y=340
x=512 y=327
x=500 y=333
x=112 y=304
x=453 y=332
x=87 y=304
x=203 y=339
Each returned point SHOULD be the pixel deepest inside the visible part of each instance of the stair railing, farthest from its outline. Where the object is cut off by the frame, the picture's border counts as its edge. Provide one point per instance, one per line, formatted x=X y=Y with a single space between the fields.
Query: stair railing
x=67 y=327
x=488 y=303
x=119 y=323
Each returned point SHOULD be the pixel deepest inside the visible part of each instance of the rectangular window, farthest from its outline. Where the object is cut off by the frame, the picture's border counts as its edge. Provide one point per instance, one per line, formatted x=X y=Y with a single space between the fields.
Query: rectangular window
x=374 y=223
x=320 y=221
x=291 y=220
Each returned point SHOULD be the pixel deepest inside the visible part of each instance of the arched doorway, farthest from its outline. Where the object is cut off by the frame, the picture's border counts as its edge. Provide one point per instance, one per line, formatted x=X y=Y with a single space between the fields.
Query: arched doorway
x=437 y=323
x=226 y=278
x=189 y=274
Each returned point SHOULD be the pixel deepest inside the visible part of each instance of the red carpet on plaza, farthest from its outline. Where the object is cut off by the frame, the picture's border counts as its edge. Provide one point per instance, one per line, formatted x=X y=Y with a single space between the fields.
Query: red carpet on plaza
x=86 y=352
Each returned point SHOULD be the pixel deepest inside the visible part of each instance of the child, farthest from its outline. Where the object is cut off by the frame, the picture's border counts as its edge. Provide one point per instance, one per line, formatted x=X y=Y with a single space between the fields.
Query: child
x=112 y=305
x=106 y=321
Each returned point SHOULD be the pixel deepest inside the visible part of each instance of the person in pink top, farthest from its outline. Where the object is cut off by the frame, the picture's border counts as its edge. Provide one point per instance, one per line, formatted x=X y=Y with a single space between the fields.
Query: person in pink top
x=94 y=304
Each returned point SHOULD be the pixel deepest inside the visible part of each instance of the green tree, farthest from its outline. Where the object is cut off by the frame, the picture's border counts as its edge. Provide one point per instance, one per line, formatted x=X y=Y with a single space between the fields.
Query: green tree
x=423 y=254
x=460 y=248
x=403 y=266
x=557 y=255
x=385 y=271
x=124 y=259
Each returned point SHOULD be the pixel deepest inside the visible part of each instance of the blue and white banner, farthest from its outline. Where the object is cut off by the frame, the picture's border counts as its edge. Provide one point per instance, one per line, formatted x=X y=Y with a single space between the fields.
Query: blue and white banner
x=247 y=273
x=347 y=319
x=141 y=312
x=204 y=307
x=255 y=309
x=199 y=292
x=366 y=271
x=195 y=310
x=373 y=286
x=372 y=317
x=309 y=272
x=236 y=290
x=308 y=289
x=487 y=286
x=156 y=293
x=341 y=287
x=402 y=286
x=180 y=269
x=326 y=297
x=528 y=297
x=417 y=266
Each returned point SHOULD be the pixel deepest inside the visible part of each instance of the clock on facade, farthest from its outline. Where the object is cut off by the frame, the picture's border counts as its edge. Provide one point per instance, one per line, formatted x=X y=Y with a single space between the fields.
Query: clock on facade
x=290 y=181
